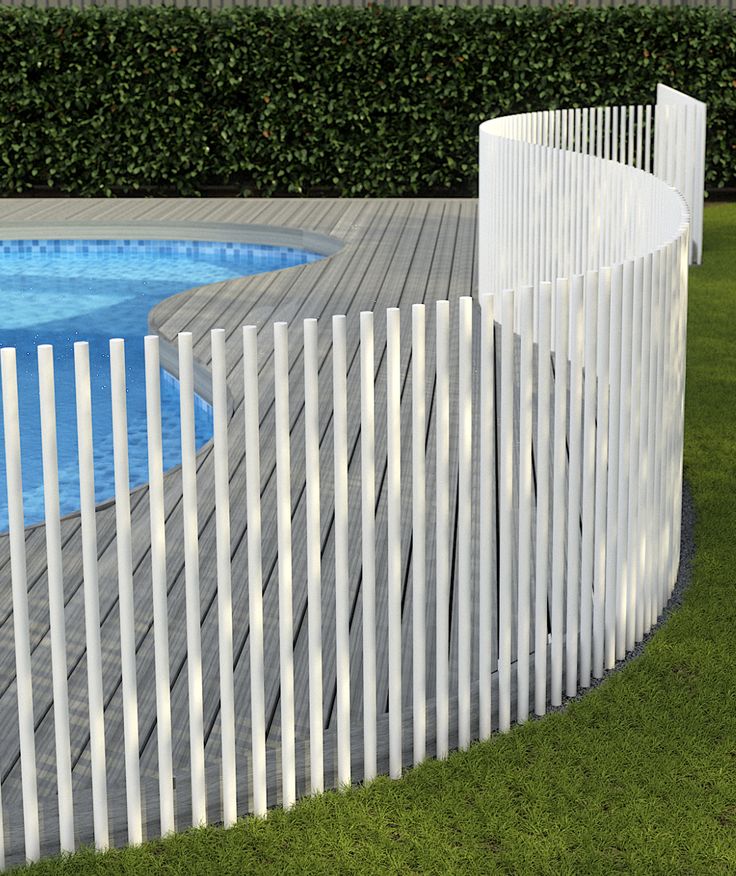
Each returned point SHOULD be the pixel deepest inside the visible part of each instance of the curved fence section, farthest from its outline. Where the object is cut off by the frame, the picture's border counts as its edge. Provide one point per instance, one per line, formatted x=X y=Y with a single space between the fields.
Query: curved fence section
x=583 y=258
x=415 y=530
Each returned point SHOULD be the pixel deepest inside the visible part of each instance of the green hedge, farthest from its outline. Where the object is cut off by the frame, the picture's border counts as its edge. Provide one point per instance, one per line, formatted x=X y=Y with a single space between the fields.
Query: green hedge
x=368 y=102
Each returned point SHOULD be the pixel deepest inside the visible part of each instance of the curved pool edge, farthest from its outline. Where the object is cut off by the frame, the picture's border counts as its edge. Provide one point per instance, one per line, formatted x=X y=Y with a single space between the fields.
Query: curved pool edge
x=226 y=232
x=324 y=245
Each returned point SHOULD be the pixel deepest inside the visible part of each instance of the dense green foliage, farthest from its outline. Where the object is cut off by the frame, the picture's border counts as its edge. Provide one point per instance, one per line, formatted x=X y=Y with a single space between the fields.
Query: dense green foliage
x=637 y=777
x=376 y=101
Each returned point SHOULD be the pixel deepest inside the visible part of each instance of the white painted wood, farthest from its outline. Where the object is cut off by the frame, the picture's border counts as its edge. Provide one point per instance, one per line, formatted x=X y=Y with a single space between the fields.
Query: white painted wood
x=159 y=583
x=224 y=583
x=368 y=532
x=505 y=510
x=393 y=446
x=314 y=553
x=50 y=463
x=191 y=572
x=342 y=608
x=125 y=587
x=487 y=529
x=574 y=506
x=464 y=519
x=286 y=622
x=419 y=532
x=541 y=574
x=91 y=591
x=442 y=501
x=21 y=633
x=526 y=377
x=255 y=569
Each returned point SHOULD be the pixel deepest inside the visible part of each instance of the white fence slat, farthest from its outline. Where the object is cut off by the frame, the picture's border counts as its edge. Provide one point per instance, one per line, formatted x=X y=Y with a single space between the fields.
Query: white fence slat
x=314 y=559
x=125 y=587
x=464 y=519
x=643 y=618
x=419 y=533
x=159 y=584
x=393 y=447
x=487 y=531
x=47 y=396
x=614 y=416
x=601 y=481
x=224 y=583
x=526 y=378
x=191 y=575
x=255 y=568
x=368 y=547
x=658 y=515
x=634 y=614
x=622 y=550
x=283 y=522
x=588 y=479
x=21 y=632
x=574 y=510
x=91 y=593
x=541 y=571
x=652 y=423
x=442 y=486
x=505 y=510
x=342 y=583
x=559 y=491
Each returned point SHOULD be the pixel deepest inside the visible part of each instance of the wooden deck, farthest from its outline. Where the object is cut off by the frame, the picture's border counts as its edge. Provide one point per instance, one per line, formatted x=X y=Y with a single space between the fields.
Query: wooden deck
x=394 y=252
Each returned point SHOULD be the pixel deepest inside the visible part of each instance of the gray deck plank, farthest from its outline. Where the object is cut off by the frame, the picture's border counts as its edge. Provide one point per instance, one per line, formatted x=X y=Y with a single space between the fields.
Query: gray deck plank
x=396 y=251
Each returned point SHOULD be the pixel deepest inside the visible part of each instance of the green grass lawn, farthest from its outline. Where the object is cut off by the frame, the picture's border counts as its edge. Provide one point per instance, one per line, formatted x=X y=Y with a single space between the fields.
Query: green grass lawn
x=637 y=777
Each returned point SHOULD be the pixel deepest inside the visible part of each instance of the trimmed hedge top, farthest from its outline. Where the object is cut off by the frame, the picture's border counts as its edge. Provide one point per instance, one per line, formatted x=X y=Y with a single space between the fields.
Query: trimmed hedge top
x=359 y=102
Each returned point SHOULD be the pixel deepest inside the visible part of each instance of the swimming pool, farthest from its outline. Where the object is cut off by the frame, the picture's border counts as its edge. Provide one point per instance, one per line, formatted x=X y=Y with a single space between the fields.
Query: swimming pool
x=61 y=291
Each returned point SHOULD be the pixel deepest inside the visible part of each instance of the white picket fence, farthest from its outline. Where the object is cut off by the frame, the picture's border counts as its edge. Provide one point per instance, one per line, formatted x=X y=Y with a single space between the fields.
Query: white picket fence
x=570 y=399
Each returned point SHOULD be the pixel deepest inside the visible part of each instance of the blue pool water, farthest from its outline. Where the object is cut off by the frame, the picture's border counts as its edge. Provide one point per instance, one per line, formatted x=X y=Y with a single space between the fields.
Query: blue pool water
x=58 y=292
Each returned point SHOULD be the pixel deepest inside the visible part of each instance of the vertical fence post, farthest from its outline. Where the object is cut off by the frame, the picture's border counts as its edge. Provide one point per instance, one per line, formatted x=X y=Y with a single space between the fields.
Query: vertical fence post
x=526 y=377
x=191 y=574
x=314 y=546
x=419 y=534
x=255 y=569
x=125 y=585
x=658 y=516
x=21 y=632
x=224 y=583
x=342 y=584
x=442 y=501
x=487 y=533
x=652 y=535
x=464 y=523
x=393 y=446
x=574 y=510
x=505 y=510
x=614 y=417
x=623 y=577
x=643 y=611
x=283 y=521
x=368 y=534
x=159 y=584
x=91 y=594
x=559 y=494
x=601 y=465
x=588 y=479
x=634 y=616
x=541 y=573
x=56 y=595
